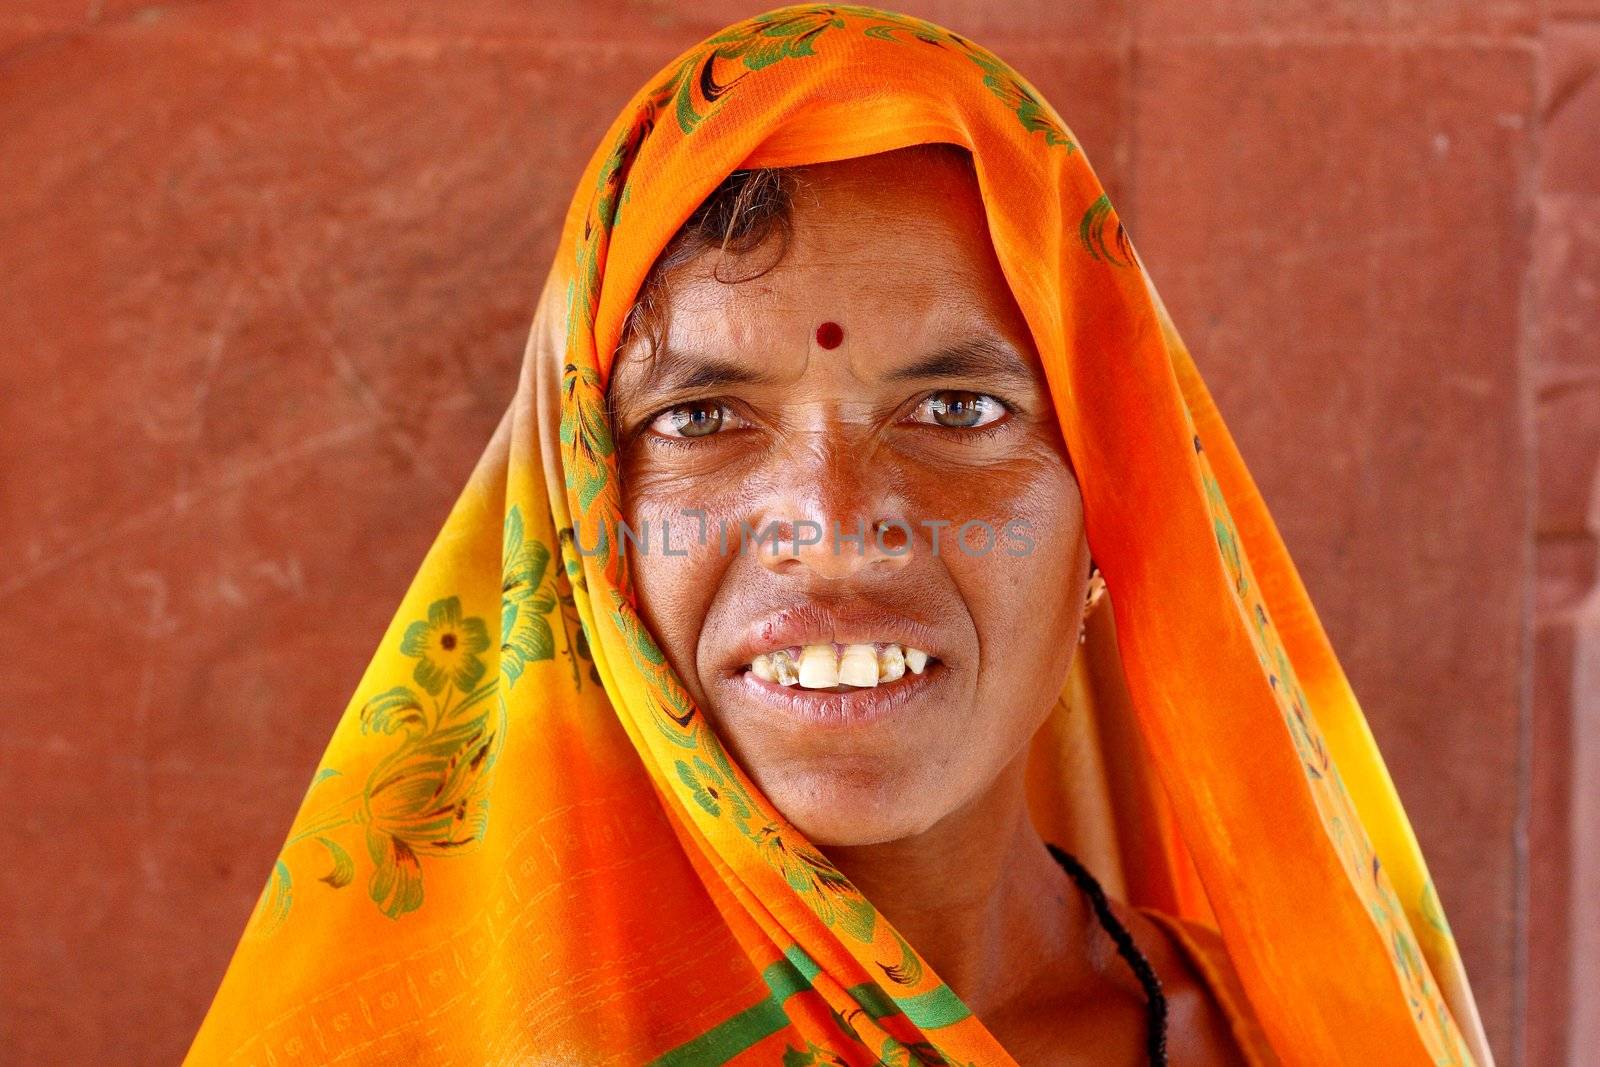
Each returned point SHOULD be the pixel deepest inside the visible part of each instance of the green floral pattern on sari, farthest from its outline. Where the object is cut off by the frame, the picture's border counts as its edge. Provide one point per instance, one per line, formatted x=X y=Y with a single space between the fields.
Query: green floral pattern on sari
x=532 y=596
x=428 y=796
x=671 y=709
x=1031 y=110
x=1118 y=251
x=808 y=872
x=703 y=78
x=698 y=83
x=446 y=647
x=709 y=788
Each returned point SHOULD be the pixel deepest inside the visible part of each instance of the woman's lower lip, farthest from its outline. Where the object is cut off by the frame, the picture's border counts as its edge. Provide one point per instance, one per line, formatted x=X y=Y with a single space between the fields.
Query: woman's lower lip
x=825 y=707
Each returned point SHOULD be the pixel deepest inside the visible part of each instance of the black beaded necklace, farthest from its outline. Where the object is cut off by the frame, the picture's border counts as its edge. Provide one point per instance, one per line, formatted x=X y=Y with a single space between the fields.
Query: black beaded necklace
x=1156 y=1021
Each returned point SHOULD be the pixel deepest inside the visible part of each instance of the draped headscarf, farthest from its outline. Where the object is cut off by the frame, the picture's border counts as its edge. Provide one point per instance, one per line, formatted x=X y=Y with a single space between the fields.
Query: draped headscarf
x=526 y=844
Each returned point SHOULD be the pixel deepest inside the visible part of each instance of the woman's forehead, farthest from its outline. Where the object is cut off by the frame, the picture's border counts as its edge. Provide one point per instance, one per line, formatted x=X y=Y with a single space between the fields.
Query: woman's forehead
x=773 y=333
x=889 y=265
x=887 y=257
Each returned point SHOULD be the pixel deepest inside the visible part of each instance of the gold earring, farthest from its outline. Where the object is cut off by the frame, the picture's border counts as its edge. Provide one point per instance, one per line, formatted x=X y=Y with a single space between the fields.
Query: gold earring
x=1091 y=600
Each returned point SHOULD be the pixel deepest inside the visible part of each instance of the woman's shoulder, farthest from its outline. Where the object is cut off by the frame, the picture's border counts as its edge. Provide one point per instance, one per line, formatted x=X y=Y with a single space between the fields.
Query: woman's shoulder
x=1210 y=1020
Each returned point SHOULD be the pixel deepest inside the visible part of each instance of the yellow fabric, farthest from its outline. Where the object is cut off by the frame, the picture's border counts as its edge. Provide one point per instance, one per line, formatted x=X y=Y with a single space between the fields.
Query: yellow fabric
x=525 y=844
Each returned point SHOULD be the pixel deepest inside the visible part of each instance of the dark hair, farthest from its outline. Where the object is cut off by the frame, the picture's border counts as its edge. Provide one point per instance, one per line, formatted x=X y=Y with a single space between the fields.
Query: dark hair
x=739 y=216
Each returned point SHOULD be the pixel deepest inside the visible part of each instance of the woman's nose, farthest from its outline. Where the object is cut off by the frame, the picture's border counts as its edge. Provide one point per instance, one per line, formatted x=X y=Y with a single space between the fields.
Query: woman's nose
x=836 y=518
x=832 y=550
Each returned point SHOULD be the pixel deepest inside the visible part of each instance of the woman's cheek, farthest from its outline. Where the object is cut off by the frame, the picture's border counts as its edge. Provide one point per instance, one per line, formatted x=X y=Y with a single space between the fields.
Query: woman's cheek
x=1023 y=585
x=673 y=571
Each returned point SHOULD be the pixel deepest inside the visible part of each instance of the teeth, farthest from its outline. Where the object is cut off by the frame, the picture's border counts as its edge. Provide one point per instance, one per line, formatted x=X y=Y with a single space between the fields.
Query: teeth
x=858 y=666
x=861 y=666
x=891 y=663
x=819 y=667
x=783 y=667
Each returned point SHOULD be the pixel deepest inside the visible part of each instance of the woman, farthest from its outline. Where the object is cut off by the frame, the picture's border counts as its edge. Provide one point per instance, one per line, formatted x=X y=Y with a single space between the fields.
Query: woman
x=909 y=777
x=789 y=751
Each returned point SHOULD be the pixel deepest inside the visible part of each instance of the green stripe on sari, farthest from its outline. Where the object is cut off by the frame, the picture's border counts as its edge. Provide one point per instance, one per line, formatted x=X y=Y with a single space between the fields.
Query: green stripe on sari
x=791 y=975
x=738 y=1032
x=935 y=1008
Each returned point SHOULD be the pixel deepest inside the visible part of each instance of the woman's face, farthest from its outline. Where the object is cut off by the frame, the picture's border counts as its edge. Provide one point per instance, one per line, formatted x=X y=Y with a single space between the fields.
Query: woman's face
x=931 y=412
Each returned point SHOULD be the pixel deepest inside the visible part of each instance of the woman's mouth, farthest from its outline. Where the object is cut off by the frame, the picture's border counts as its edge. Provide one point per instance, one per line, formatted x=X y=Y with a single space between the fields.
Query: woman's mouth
x=840 y=685
x=834 y=682
x=838 y=667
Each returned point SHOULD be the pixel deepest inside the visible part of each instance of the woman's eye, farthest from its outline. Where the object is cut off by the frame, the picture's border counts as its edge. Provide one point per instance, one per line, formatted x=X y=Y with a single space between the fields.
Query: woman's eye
x=959 y=410
x=700 y=418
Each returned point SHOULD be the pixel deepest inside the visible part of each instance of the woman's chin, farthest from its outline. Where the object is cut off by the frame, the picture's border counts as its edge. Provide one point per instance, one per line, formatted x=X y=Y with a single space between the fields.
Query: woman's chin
x=841 y=810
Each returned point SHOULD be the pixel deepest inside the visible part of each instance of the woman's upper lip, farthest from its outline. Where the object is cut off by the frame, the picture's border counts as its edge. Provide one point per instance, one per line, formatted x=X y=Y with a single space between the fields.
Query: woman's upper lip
x=845 y=622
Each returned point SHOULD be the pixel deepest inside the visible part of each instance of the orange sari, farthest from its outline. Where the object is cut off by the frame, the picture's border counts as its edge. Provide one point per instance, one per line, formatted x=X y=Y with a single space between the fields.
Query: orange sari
x=526 y=844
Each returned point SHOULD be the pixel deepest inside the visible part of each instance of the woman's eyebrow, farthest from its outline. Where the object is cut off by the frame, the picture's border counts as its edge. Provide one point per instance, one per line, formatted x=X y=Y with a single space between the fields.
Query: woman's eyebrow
x=673 y=372
x=984 y=358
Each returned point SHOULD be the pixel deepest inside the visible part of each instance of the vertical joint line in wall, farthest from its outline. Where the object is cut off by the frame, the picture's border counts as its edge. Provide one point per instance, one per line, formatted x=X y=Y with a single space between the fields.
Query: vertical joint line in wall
x=1130 y=115
x=1528 y=351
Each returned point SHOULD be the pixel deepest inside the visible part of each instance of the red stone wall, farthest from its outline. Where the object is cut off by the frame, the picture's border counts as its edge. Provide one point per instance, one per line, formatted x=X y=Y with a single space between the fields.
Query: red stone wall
x=268 y=270
x=1563 y=369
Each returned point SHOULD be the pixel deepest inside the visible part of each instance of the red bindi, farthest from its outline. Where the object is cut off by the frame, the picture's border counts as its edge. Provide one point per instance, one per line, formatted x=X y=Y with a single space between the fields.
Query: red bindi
x=829 y=334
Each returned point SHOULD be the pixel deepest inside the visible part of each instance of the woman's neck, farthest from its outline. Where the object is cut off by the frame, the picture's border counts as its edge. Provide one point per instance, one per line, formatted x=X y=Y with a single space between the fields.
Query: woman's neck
x=979 y=896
